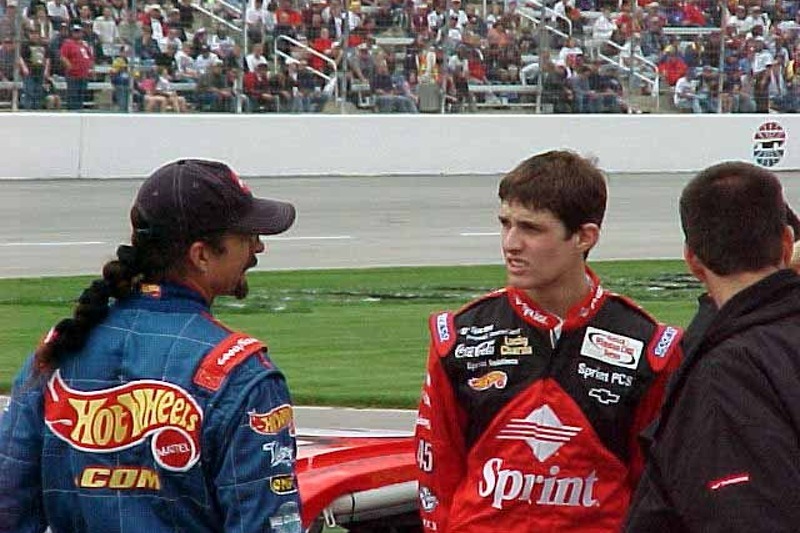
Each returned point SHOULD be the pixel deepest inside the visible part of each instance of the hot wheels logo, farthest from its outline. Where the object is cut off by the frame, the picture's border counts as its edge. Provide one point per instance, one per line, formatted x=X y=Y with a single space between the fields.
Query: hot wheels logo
x=110 y=420
x=495 y=378
x=272 y=422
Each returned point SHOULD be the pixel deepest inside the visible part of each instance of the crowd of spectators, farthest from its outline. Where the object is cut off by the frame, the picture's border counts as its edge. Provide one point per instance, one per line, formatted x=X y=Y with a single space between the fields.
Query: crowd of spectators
x=402 y=55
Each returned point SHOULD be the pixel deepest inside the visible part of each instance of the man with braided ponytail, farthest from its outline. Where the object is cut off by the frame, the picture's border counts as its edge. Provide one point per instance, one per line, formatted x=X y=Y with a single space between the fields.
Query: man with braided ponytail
x=142 y=412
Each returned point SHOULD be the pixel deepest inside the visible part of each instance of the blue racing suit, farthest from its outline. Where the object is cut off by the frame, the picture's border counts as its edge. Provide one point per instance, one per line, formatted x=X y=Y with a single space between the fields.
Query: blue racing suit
x=165 y=421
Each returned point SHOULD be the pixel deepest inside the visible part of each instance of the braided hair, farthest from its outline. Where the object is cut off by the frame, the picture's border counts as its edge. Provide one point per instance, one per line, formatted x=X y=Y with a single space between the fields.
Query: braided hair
x=155 y=253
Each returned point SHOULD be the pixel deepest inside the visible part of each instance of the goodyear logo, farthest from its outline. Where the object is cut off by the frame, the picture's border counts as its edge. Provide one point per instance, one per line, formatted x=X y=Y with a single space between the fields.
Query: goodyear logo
x=282 y=484
x=109 y=420
x=496 y=378
x=272 y=422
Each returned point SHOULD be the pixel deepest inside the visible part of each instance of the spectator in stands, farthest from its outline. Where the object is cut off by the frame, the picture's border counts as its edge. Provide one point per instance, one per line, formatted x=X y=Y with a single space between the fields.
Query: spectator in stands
x=260 y=90
x=215 y=90
x=260 y=21
x=436 y=17
x=738 y=92
x=187 y=14
x=363 y=65
x=129 y=29
x=41 y=24
x=586 y=100
x=33 y=54
x=602 y=29
x=154 y=19
x=693 y=15
x=104 y=28
x=172 y=40
x=185 y=69
x=325 y=46
x=206 y=58
x=255 y=57
x=58 y=13
x=7 y=61
x=221 y=42
x=118 y=10
x=388 y=99
x=555 y=90
x=672 y=66
x=78 y=60
x=653 y=40
x=708 y=89
x=121 y=82
x=738 y=20
x=147 y=48
x=780 y=97
x=174 y=23
x=9 y=20
x=449 y=36
x=685 y=97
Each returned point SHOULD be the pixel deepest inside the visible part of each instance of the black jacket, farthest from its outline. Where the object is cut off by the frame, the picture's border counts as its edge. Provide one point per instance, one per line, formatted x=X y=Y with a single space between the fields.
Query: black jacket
x=725 y=455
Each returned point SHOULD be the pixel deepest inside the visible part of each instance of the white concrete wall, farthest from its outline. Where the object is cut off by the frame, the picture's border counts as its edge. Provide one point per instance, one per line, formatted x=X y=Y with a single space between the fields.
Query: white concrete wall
x=108 y=146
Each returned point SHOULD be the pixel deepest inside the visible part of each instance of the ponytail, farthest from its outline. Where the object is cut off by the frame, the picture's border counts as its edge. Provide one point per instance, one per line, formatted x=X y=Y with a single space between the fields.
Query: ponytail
x=120 y=278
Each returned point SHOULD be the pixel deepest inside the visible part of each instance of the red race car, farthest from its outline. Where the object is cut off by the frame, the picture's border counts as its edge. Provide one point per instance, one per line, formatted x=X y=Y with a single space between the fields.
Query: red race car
x=361 y=481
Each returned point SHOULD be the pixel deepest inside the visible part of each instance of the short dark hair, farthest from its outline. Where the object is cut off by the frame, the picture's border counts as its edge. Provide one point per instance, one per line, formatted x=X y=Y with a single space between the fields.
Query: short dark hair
x=733 y=215
x=562 y=182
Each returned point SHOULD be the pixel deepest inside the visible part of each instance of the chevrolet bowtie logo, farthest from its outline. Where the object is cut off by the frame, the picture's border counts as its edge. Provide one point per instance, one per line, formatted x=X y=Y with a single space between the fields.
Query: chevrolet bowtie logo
x=542 y=430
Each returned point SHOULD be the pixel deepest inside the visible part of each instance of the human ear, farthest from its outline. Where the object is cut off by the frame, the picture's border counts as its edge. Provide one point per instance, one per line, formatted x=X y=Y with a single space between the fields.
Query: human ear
x=586 y=237
x=696 y=267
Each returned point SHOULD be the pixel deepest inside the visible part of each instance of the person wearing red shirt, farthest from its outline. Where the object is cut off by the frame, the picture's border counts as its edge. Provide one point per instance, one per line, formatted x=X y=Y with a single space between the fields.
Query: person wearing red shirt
x=672 y=66
x=324 y=45
x=692 y=15
x=78 y=60
x=259 y=88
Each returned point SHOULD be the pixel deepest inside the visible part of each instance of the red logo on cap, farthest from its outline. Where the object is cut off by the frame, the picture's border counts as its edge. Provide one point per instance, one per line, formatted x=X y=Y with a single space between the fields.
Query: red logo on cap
x=242 y=185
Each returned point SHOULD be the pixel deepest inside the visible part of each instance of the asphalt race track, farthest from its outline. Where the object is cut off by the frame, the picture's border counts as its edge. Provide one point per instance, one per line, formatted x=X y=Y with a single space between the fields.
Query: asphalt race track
x=65 y=227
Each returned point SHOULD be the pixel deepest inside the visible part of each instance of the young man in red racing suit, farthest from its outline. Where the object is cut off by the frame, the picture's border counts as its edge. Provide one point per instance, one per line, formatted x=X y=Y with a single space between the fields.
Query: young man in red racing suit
x=535 y=393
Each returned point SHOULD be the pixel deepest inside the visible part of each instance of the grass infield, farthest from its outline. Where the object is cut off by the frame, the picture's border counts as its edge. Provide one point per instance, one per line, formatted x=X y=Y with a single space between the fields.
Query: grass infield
x=342 y=337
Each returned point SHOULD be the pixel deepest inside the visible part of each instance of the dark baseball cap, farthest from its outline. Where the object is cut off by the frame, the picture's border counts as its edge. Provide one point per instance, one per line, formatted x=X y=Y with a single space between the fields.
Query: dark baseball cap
x=190 y=198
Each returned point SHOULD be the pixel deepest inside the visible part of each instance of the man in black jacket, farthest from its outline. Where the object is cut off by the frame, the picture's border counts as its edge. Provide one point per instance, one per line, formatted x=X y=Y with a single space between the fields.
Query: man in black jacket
x=725 y=454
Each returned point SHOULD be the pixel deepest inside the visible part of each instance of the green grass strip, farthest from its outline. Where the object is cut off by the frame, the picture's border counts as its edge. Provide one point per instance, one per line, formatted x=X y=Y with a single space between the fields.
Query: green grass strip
x=342 y=337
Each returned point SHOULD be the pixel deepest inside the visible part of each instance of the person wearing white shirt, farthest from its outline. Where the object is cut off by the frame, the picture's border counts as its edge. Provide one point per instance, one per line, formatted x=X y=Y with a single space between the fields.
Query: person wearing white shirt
x=256 y=57
x=685 y=96
x=184 y=63
x=58 y=12
x=105 y=27
x=204 y=61
x=459 y=13
x=172 y=38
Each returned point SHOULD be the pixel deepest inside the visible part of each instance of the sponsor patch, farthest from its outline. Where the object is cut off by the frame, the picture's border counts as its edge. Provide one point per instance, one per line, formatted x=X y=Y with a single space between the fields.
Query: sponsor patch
x=442 y=327
x=611 y=348
x=464 y=351
x=496 y=378
x=151 y=290
x=279 y=455
x=735 y=479
x=427 y=499
x=282 y=484
x=118 y=478
x=286 y=519
x=769 y=144
x=542 y=430
x=604 y=396
x=665 y=341
x=274 y=421
x=218 y=363
x=113 y=419
x=515 y=346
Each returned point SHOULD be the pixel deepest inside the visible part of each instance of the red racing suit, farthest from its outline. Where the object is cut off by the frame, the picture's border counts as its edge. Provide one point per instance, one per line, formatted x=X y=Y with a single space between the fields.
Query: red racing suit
x=528 y=422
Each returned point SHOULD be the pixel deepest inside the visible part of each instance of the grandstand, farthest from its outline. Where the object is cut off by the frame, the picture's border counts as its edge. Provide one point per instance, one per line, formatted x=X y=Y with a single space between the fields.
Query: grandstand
x=400 y=56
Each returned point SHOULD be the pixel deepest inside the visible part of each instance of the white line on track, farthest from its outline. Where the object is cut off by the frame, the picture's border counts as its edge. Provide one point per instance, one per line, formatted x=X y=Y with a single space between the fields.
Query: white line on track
x=75 y=243
x=318 y=238
x=480 y=234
